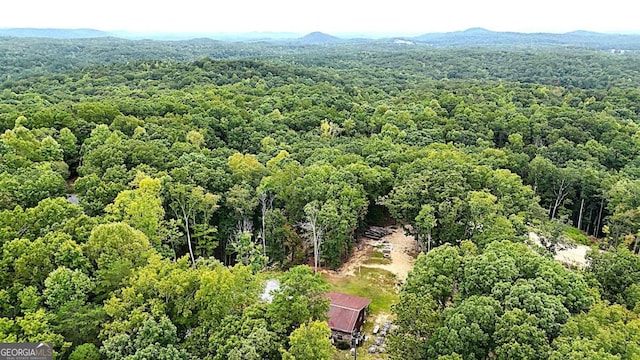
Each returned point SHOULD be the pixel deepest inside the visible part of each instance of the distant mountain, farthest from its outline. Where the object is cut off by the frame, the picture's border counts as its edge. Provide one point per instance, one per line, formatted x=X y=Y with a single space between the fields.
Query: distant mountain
x=477 y=31
x=229 y=37
x=53 y=33
x=318 y=38
x=584 y=33
x=256 y=36
x=469 y=37
x=480 y=36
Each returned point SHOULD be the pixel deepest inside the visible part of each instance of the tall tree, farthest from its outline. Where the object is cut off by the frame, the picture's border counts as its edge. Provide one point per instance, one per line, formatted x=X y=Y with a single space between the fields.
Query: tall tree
x=193 y=207
x=315 y=228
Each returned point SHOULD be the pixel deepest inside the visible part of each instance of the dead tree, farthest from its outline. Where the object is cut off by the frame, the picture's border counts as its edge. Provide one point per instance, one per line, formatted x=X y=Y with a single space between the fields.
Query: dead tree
x=266 y=202
x=315 y=229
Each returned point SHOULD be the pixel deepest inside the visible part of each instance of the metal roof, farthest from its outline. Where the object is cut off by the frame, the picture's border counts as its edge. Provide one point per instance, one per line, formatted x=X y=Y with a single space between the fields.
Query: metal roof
x=344 y=310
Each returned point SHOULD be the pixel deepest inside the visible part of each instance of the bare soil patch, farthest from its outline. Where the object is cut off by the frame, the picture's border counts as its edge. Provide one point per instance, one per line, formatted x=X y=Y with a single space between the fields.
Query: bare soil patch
x=570 y=255
x=401 y=250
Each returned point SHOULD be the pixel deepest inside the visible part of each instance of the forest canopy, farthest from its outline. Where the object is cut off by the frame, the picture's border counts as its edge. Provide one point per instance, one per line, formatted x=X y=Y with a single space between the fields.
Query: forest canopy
x=198 y=165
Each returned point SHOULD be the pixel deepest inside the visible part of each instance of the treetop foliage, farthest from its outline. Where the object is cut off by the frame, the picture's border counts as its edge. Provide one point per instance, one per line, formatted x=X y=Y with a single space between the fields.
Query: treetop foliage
x=145 y=186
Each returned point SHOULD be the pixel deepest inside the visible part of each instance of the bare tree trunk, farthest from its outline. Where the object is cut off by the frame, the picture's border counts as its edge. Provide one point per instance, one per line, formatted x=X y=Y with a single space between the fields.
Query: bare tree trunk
x=590 y=220
x=317 y=239
x=314 y=235
x=599 y=222
x=186 y=225
x=317 y=231
x=560 y=196
x=265 y=201
x=311 y=224
x=428 y=242
x=580 y=216
x=264 y=232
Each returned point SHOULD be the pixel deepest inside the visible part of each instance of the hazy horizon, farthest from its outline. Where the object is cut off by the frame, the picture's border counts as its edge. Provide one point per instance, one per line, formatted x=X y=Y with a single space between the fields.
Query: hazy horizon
x=284 y=34
x=402 y=17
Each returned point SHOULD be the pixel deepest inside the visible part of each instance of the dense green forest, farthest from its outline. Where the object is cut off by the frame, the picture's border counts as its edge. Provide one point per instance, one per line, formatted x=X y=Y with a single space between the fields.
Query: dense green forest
x=201 y=168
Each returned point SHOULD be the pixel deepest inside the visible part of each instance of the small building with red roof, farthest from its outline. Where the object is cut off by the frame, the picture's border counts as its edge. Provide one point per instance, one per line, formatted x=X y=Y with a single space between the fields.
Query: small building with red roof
x=347 y=314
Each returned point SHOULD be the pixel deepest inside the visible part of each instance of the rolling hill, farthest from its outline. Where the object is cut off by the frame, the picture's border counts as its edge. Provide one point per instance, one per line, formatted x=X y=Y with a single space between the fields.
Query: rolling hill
x=481 y=37
x=318 y=38
x=53 y=33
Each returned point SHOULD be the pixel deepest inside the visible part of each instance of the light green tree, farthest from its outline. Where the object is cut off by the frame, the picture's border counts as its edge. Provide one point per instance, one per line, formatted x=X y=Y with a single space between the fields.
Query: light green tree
x=85 y=352
x=116 y=250
x=141 y=208
x=298 y=300
x=310 y=342
x=63 y=286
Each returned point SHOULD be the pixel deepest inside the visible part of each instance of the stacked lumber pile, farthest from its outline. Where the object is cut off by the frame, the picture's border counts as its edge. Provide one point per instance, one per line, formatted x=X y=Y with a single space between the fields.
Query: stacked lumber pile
x=379 y=345
x=376 y=233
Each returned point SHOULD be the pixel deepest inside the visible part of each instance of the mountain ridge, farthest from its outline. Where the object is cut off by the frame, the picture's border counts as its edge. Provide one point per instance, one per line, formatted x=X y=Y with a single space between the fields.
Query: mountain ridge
x=318 y=37
x=54 y=33
x=481 y=36
x=476 y=36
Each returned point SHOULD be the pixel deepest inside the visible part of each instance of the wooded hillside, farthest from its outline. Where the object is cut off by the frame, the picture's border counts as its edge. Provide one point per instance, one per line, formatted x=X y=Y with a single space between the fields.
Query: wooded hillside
x=199 y=164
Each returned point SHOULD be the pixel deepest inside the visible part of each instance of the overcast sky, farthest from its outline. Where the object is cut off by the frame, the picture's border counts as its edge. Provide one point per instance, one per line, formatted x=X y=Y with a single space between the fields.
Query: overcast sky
x=331 y=16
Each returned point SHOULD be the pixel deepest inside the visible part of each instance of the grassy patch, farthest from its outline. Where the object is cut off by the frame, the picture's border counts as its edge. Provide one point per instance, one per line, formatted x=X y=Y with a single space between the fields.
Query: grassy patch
x=376 y=284
x=382 y=261
x=577 y=236
x=379 y=286
x=377 y=257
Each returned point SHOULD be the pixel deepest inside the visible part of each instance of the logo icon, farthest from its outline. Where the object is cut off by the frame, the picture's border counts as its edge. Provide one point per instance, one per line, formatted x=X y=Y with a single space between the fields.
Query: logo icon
x=26 y=351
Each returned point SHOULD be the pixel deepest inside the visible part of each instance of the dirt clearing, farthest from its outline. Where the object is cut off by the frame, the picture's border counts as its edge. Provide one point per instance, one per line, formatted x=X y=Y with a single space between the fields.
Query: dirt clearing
x=571 y=255
x=401 y=250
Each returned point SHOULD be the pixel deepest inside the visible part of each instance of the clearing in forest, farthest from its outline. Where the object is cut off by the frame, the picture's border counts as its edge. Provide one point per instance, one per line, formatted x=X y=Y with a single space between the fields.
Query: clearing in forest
x=570 y=255
x=370 y=253
x=369 y=273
